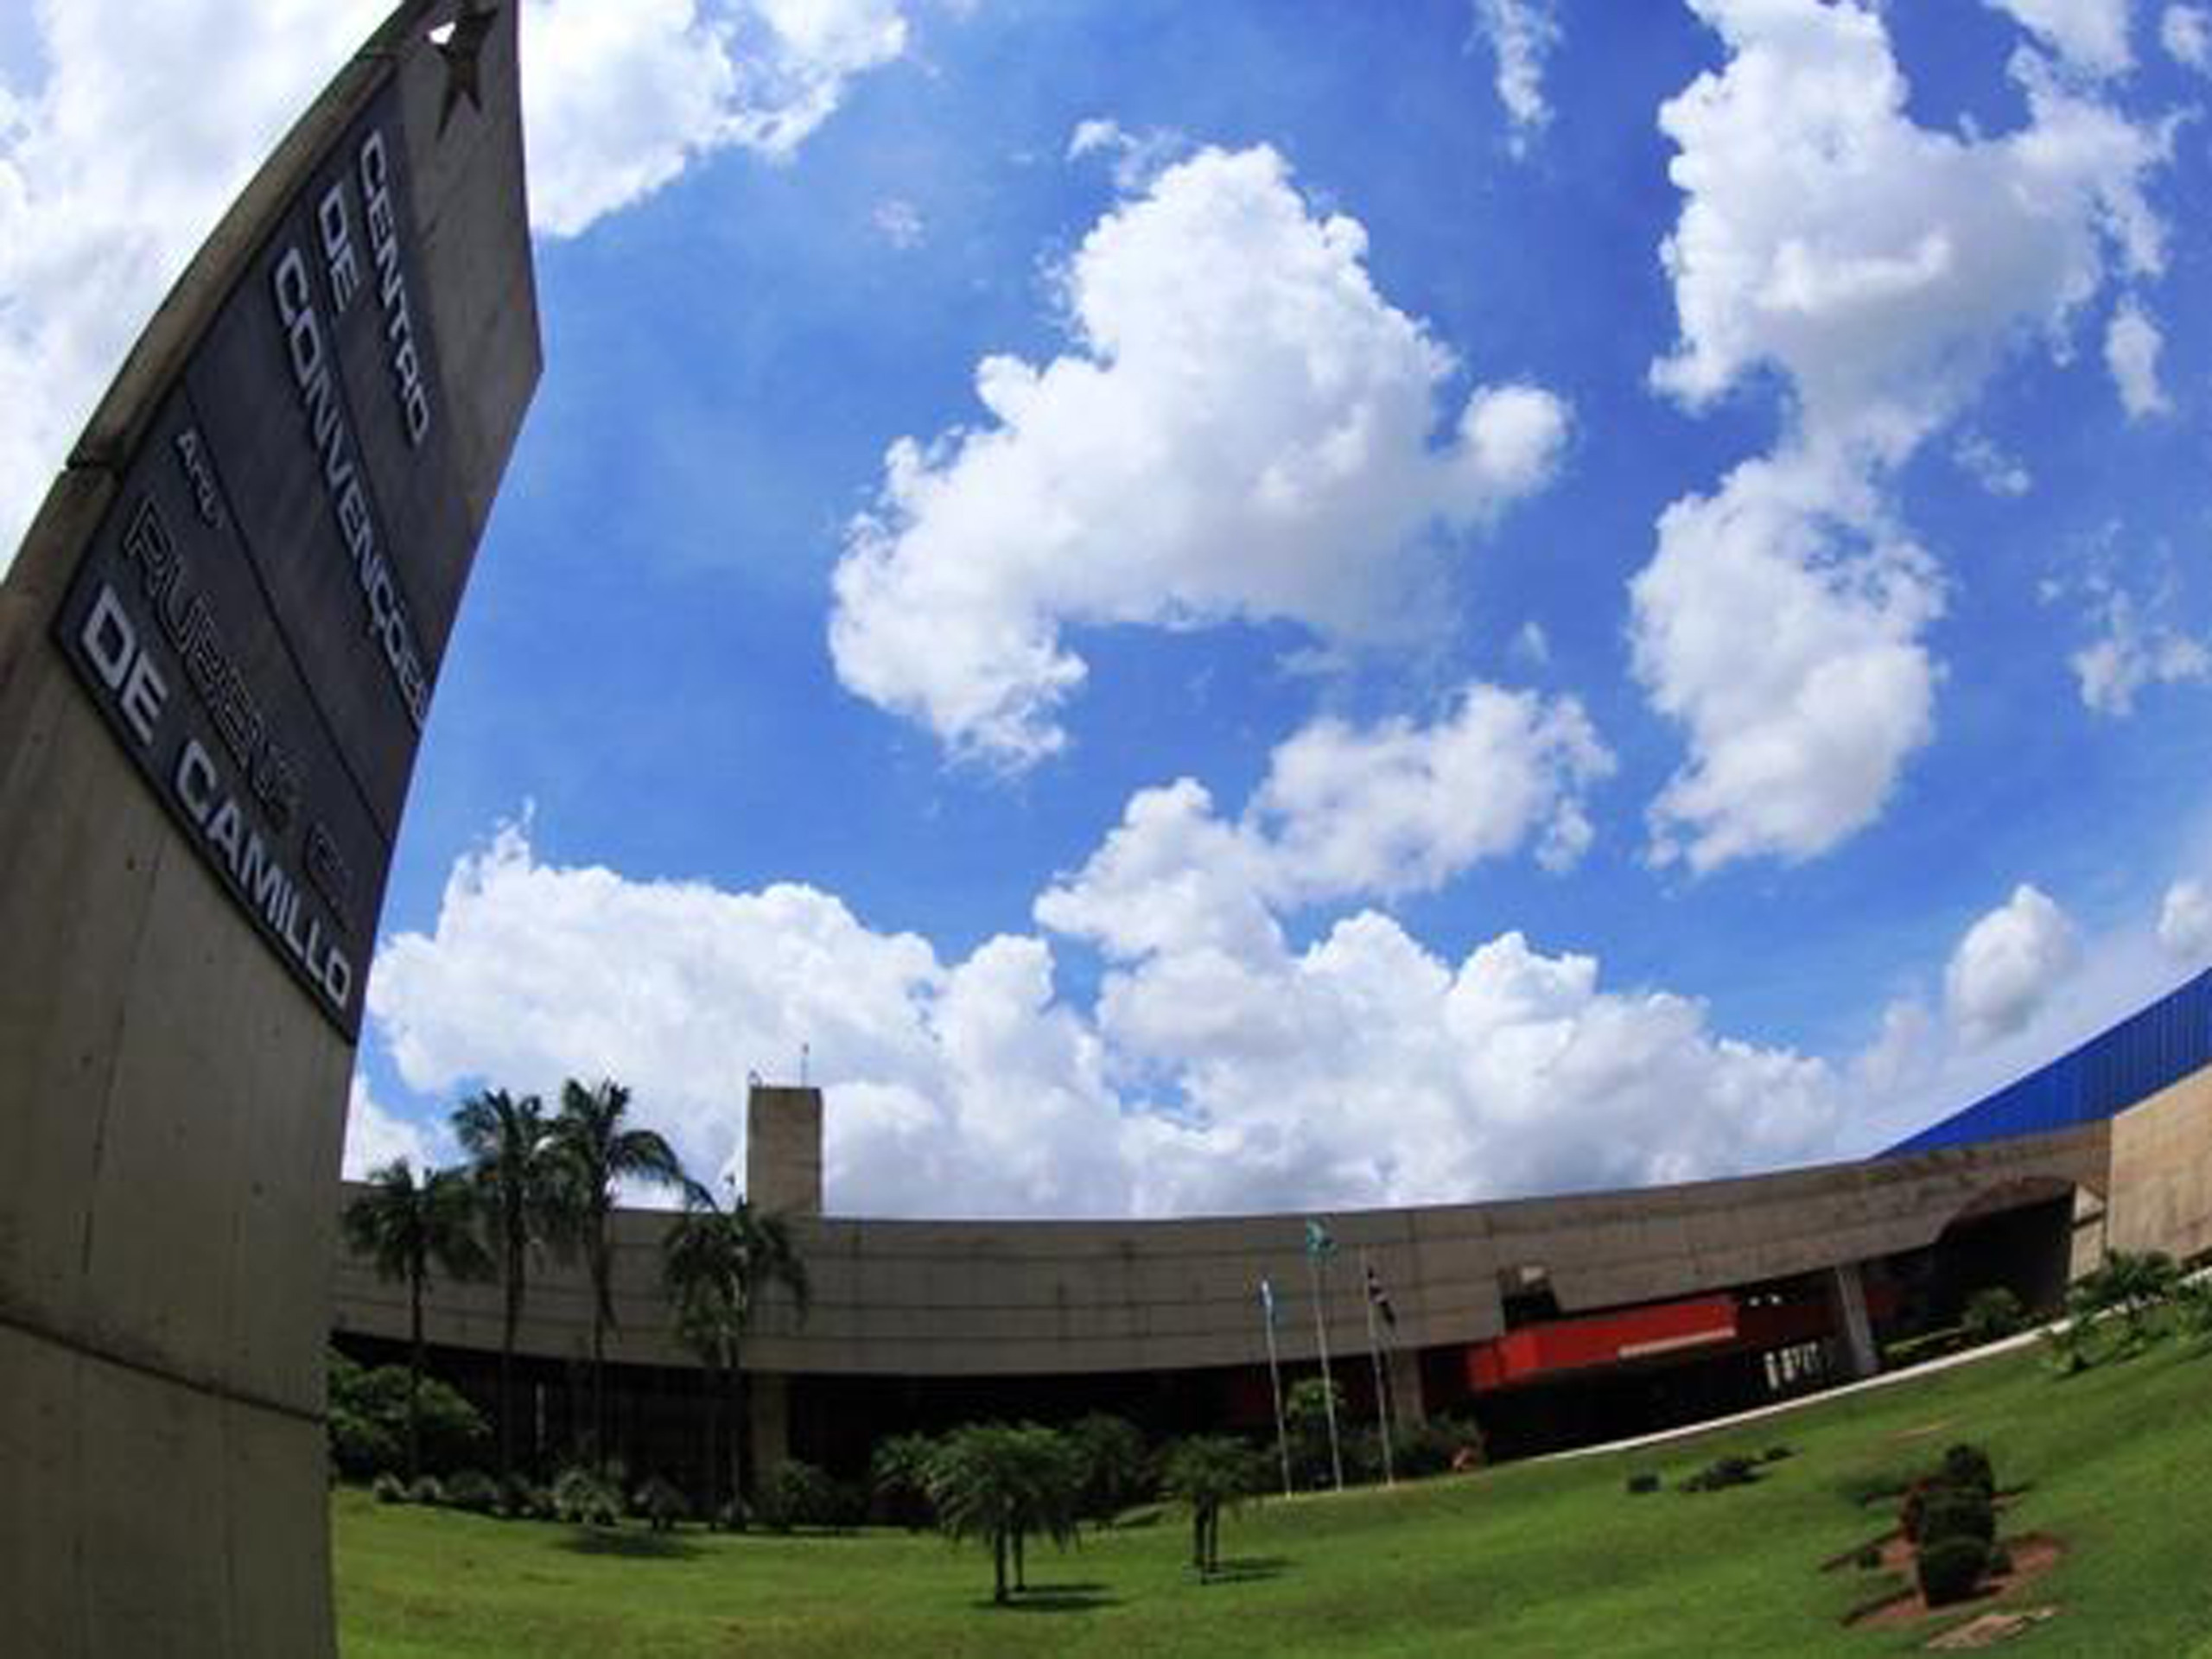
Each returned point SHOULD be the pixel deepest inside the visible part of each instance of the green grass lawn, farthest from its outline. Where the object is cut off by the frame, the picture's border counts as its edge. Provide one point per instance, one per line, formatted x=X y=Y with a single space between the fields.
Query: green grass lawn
x=1539 y=1559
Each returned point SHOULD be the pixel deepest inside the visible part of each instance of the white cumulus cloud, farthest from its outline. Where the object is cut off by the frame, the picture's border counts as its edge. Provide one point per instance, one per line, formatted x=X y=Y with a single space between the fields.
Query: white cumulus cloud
x=376 y=1135
x=1218 y=1071
x=149 y=119
x=2007 y=965
x=2132 y=652
x=2185 y=919
x=1242 y=429
x=2132 y=343
x=1521 y=34
x=1882 y=270
x=619 y=99
x=2089 y=35
x=2186 y=33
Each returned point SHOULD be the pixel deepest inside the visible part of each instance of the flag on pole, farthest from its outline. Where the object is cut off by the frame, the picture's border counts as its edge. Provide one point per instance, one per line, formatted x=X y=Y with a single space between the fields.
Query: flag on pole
x=1268 y=1301
x=1319 y=1245
x=1379 y=1298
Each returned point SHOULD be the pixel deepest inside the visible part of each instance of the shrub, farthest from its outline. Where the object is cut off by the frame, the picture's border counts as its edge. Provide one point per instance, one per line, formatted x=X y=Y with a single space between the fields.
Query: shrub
x=2066 y=1349
x=1991 y=1313
x=797 y=1494
x=473 y=1491
x=368 y=1420
x=389 y=1489
x=428 y=1490
x=898 y=1474
x=1116 y=1464
x=1969 y=1466
x=1722 y=1472
x=1432 y=1448
x=1928 y=1345
x=1957 y=1512
x=661 y=1503
x=1948 y=1570
x=1640 y=1485
x=584 y=1497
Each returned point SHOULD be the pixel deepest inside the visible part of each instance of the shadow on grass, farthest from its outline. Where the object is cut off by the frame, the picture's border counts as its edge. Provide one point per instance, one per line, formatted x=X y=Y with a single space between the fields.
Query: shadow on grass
x=1248 y=1569
x=1056 y=1598
x=630 y=1545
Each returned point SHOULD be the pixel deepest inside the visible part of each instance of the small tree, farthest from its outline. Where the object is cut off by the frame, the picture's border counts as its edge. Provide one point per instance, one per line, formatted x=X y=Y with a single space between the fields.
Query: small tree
x=408 y=1229
x=997 y=1483
x=1211 y=1473
x=1993 y=1313
x=590 y=1150
x=716 y=1264
x=898 y=1476
x=1112 y=1456
x=2133 y=1284
x=1305 y=1420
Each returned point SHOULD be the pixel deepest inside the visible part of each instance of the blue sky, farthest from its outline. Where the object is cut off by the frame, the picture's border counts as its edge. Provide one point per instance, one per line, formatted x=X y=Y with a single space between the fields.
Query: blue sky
x=1271 y=604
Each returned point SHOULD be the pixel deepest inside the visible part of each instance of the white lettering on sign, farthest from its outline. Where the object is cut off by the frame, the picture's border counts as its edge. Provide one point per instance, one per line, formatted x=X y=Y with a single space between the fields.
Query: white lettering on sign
x=111 y=645
x=271 y=891
x=391 y=287
x=314 y=376
x=340 y=261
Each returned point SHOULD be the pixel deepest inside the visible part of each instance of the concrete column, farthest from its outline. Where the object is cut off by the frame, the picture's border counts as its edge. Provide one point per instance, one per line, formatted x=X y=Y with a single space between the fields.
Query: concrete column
x=782 y=1149
x=769 y=1406
x=1849 y=1289
x=1404 y=1367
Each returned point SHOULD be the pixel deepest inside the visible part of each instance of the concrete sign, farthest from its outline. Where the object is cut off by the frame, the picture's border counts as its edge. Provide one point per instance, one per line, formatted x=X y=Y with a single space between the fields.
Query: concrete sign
x=260 y=615
x=218 y=648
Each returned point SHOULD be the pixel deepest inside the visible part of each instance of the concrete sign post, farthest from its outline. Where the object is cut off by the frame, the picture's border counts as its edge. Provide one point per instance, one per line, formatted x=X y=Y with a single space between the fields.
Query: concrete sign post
x=218 y=647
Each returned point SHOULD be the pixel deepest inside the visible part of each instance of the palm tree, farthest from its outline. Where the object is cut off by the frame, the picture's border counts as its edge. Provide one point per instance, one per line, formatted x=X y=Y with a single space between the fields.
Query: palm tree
x=996 y=1482
x=505 y=1139
x=406 y=1229
x=591 y=1150
x=1211 y=1473
x=716 y=1263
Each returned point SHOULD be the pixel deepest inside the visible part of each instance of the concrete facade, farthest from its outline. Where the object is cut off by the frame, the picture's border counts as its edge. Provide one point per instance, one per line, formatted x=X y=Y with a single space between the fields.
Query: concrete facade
x=904 y=1304
x=172 y=1099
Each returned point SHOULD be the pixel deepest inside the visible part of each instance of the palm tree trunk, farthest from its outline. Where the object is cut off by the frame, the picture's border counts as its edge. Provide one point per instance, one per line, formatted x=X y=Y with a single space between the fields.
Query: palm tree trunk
x=1199 y=1538
x=507 y=1360
x=414 y=1377
x=1020 y=1560
x=732 y=1404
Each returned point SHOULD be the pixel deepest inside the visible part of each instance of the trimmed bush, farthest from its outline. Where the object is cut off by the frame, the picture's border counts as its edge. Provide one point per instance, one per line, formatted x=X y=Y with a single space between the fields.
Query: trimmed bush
x=1993 y=1313
x=473 y=1491
x=1949 y=1570
x=1969 y=1466
x=1722 y=1472
x=429 y=1489
x=1957 y=1512
x=797 y=1494
x=389 y=1489
x=584 y=1498
x=1440 y=1446
x=661 y=1503
x=1640 y=1485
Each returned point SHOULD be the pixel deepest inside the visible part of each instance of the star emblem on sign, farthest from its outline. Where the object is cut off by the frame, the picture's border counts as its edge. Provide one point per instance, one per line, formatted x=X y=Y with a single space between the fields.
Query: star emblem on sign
x=461 y=43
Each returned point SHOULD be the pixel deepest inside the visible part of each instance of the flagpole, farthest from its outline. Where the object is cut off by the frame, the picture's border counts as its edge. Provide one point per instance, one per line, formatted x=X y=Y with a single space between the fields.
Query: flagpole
x=1382 y=1387
x=1328 y=1379
x=1274 y=1383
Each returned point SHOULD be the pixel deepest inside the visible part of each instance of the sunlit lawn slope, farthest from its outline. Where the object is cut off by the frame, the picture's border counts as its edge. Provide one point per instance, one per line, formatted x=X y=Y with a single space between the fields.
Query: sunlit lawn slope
x=1534 y=1559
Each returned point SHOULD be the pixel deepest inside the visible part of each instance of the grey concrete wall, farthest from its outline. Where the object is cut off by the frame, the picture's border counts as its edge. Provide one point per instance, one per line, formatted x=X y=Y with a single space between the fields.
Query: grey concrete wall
x=782 y=1149
x=910 y=1298
x=2161 y=1197
x=172 y=1103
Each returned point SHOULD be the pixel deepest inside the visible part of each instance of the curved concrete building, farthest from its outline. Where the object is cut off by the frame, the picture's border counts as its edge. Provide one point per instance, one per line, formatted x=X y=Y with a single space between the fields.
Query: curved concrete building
x=1551 y=1320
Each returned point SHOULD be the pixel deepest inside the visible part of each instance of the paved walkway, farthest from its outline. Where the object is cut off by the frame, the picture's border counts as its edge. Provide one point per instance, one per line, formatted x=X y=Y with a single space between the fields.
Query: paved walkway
x=1987 y=1350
